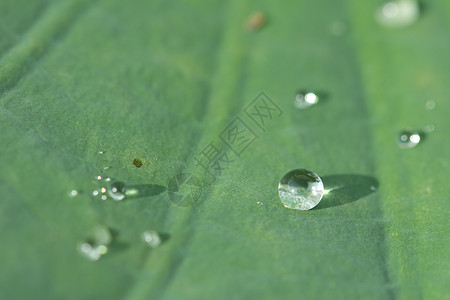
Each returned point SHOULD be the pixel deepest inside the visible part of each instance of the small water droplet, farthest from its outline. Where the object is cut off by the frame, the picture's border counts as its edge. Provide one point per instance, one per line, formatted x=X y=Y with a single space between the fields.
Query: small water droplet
x=103 y=190
x=92 y=252
x=73 y=193
x=429 y=128
x=430 y=105
x=152 y=238
x=102 y=235
x=300 y=189
x=104 y=197
x=260 y=203
x=305 y=100
x=101 y=152
x=98 y=177
x=338 y=28
x=398 y=13
x=106 y=167
x=373 y=188
x=117 y=190
x=107 y=179
x=95 y=193
x=408 y=139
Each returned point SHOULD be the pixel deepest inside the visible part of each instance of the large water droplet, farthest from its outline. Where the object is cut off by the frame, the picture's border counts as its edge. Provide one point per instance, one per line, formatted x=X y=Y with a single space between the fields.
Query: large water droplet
x=399 y=13
x=300 y=189
x=305 y=100
x=117 y=190
x=408 y=139
x=151 y=238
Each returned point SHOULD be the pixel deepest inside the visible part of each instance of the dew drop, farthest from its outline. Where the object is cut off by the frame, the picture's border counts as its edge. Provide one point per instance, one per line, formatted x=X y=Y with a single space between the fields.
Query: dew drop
x=151 y=238
x=104 y=197
x=430 y=105
x=373 y=188
x=95 y=193
x=338 y=28
x=98 y=177
x=91 y=251
x=300 y=189
x=73 y=193
x=103 y=190
x=102 y=249
x=260 y=203
x=102 y=235
x=408 y=139
x=429 y=128
x=101 y=152
x=305 y=100
x=117 y=190
x=398 y=13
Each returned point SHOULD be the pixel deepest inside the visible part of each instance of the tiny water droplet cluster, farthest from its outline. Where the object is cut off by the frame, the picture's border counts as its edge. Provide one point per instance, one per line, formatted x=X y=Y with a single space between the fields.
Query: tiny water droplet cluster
x=115 y=189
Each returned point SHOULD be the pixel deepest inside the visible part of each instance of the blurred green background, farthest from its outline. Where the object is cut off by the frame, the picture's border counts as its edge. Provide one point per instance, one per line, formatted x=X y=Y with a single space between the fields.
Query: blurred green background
x=160 y=80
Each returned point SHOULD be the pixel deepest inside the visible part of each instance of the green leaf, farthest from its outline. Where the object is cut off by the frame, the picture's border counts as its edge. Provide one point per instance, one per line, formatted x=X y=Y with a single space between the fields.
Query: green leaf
x=156 y=82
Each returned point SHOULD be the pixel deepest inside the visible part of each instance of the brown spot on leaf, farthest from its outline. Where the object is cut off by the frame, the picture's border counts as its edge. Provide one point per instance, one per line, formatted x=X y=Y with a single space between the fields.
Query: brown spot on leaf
x=137 y=163
x=255 y=21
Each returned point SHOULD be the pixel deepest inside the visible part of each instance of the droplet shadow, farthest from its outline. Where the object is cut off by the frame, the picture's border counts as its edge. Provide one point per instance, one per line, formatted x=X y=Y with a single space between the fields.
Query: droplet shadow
x=343 y=189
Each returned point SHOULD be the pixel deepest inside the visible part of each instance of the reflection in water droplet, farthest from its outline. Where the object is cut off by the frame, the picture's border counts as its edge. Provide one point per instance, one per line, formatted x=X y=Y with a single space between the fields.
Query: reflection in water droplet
x=104 y=197
x=408 y=139
x=98 y=177
x=117 y=190
x=260 y=203
x=73 y=193
x=95 y=193
x=430 y=105
x=305 y=100
x=300 y=189
x=152 y=238
x=398 y=13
